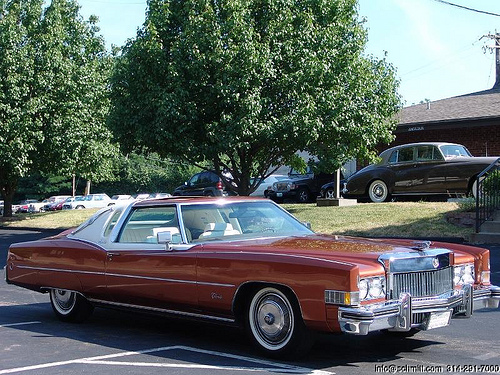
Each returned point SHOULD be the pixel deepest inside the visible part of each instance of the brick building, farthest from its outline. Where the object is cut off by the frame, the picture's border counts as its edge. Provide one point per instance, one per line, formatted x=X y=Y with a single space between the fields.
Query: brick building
x=472 y=120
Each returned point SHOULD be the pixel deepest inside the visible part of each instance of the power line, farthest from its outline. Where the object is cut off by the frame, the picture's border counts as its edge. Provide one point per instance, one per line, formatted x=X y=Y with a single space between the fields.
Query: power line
x=467 y=8
x=442 y=60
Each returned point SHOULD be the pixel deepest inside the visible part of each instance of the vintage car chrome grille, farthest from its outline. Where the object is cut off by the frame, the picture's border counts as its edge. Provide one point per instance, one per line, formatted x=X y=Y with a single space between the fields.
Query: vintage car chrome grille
x=422 y=284
x=281 y=186
x=418 y=318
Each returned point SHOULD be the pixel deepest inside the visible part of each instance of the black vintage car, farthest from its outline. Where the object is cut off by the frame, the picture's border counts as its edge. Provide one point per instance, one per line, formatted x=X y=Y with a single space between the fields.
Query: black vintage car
x=432 y=168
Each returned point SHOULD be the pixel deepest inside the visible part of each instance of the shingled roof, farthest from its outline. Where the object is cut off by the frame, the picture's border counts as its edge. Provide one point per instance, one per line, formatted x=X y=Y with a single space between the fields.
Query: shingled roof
x=476 y=106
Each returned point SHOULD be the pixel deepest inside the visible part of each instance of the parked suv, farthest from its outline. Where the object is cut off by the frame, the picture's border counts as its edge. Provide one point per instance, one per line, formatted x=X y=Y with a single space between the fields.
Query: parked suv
x=204 y=183
x=300 y=187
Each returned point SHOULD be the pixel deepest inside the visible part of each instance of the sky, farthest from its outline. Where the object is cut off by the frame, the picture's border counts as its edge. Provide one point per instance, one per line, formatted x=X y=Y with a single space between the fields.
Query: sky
x=436 y=48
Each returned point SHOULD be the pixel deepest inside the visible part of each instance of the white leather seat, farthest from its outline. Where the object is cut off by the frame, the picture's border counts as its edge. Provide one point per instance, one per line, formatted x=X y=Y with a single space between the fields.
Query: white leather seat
x=218 y=230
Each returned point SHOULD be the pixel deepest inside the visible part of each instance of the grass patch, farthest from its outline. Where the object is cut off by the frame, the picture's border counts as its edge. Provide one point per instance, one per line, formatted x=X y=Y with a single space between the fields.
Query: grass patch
x=394 y=219
x=48 y=220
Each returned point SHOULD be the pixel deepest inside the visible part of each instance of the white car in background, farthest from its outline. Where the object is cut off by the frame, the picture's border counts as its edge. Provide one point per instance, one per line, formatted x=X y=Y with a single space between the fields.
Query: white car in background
x=267 y=184
x=121 y=198
x=89 y=201
x=141 y=196
x=37 y=206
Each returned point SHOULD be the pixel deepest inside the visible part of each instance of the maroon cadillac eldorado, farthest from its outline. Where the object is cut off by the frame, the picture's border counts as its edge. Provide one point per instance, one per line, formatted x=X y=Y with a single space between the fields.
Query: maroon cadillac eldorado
x=247 y=261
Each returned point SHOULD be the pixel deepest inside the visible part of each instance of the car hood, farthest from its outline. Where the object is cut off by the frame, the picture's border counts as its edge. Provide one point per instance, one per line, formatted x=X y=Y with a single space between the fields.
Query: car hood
x=477 y=159
x=339 y=248
x=294 y=179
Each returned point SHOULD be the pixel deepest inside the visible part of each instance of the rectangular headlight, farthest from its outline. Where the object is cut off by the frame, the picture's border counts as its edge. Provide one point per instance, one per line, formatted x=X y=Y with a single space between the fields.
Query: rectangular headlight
x=372 y=288
x=463 y=274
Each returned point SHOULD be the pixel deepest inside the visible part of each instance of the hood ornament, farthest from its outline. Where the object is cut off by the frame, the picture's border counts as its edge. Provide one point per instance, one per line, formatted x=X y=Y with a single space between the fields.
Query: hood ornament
x=421 y=245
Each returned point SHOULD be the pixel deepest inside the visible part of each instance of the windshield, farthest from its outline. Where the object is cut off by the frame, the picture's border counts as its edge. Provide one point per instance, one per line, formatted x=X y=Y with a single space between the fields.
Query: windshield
x=296 y=172
x=454 y=151
x=239 y=220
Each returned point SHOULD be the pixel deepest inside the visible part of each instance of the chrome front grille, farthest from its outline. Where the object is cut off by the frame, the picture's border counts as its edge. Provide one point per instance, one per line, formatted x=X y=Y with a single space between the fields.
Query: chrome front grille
x=281 y=186
x=422 y=284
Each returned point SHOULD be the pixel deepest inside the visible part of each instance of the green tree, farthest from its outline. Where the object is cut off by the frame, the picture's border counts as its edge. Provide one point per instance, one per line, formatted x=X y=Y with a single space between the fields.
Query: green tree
x=244 y=84
x=136 y=173
x=54 y=96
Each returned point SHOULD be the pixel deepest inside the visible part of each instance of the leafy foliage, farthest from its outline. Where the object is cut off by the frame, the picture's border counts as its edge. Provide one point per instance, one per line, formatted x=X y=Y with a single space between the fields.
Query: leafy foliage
x=40 y=185
x=134 y=173
x=53 y=93
x=244 y=84
x=491 y=184
x=137 y=173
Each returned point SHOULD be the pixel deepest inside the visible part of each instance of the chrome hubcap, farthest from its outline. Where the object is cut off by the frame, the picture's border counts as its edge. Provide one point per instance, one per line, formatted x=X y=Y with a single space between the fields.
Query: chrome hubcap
x=273 y=319
x=378 y=191
x=64 y=300
x=269 y=319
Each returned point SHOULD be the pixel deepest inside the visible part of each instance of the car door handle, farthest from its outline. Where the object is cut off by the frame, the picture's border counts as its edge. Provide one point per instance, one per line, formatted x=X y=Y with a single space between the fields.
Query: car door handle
x=111 y=255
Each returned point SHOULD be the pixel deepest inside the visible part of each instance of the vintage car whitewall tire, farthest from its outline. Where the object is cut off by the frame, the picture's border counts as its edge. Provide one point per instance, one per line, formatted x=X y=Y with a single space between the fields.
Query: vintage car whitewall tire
x=378 y=191
x=70 y=306
x=473 y=190
x=275 y=324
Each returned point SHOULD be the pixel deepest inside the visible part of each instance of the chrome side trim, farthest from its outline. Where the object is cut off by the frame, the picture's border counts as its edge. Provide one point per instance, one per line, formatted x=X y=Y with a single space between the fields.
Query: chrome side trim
x=170 y=280
x=128 y=276
x=164 y=311
x=60 y=270
x=280 y=255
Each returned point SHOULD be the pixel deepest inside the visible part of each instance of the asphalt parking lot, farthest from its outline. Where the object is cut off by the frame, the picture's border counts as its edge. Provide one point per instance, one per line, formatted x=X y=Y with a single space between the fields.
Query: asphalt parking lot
x=33 y=341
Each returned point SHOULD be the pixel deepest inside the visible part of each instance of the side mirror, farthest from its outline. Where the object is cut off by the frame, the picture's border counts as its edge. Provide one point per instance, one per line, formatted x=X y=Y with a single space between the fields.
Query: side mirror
x=165 y=238
x=307 y=224
x=186 y=183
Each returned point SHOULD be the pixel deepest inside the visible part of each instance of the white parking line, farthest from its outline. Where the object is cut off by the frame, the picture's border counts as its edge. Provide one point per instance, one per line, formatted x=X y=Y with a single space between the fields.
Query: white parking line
x=198 y=366
x=102 y=360
x=18 y=324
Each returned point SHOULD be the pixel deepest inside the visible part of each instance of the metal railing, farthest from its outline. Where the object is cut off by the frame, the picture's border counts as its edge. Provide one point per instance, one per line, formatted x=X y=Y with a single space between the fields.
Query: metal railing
x=487 y=193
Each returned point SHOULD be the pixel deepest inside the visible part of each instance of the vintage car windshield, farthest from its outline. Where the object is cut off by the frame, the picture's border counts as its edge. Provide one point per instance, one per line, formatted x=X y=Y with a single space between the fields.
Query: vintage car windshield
x=239 y=220
x=454 y=151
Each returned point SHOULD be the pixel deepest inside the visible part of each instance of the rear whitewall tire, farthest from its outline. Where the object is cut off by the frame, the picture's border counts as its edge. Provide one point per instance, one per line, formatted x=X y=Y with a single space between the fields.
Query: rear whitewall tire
x=70 y=306
x=378 y=191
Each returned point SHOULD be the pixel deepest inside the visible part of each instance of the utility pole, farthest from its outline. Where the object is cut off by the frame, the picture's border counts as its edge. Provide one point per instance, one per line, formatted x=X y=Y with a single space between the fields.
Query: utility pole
x=496 y=47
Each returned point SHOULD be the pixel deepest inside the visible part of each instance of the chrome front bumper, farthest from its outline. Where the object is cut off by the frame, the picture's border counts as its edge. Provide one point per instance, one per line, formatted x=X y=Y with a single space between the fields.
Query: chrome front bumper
x=417 y=312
